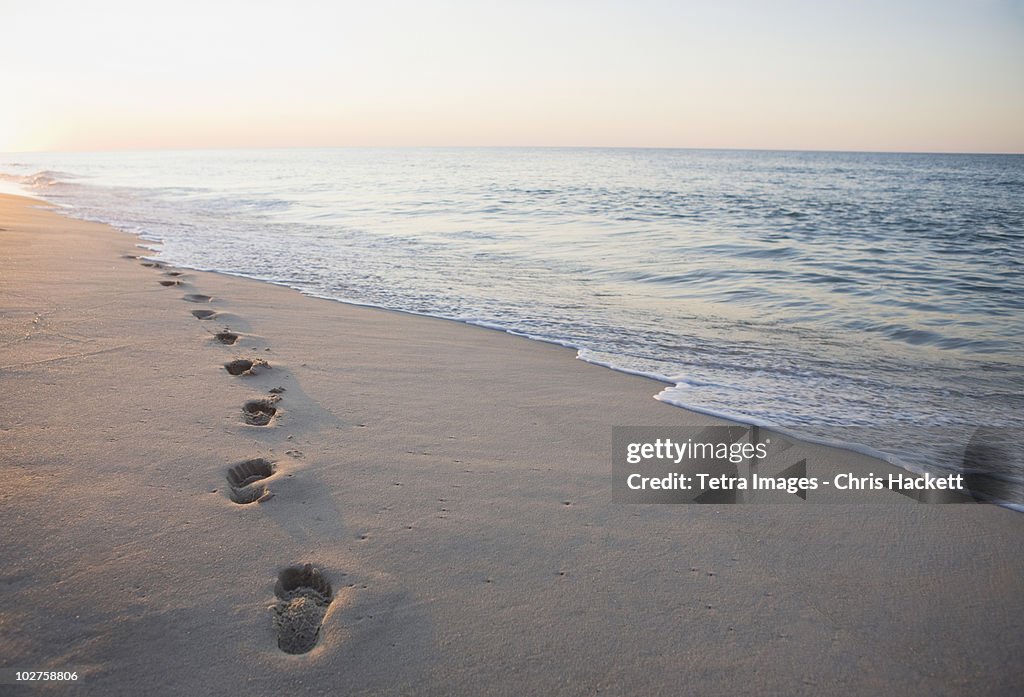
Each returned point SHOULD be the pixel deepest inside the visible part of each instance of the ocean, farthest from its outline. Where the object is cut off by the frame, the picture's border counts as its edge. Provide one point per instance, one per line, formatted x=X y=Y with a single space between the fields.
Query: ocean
x=874 y=301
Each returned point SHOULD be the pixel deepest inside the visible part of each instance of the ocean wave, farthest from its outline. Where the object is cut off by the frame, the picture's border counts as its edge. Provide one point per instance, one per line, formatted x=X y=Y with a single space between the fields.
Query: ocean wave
x=43 y=179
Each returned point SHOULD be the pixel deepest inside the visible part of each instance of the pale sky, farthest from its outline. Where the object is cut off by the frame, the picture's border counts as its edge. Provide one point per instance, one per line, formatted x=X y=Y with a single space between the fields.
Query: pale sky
x=906 y=75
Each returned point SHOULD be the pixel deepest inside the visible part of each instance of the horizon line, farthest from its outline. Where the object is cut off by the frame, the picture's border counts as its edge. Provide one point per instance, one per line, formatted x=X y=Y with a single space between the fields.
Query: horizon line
x=519 y=147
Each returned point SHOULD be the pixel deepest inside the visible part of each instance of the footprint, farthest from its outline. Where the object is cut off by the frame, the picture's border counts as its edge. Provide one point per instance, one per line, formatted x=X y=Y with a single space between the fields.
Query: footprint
x=151 y=264
x=243 y=479
x=173 y=273
x=225 y=337
x=303 y=596
x=128 y=256
x=259 y=412
x=170 y=283
x=197 y=298
x=243 y=366
x=203 y=314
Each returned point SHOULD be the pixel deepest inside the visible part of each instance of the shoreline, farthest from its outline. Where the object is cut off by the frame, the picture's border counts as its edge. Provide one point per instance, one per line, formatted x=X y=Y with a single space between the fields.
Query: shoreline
x=471 y=543
x=863 y=449
x=823 y=341
x=856 y=448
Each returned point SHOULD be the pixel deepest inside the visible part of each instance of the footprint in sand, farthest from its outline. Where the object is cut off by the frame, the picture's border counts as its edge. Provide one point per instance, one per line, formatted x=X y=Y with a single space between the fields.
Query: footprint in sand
x=303 y=596
x=244 y=366
x=244 y=479
x=173 y=273
x=226 y=337
x=151 y=264
x=259 y=412
x=204 y=314
x=170 y=283
x=196 y=298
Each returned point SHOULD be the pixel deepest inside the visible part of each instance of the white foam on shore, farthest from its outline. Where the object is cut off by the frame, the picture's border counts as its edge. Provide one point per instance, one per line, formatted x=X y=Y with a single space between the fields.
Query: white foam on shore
x=671 y=394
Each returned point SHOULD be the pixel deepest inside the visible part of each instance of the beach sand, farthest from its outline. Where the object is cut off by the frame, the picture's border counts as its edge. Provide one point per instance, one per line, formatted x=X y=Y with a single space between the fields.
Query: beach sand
x=452 y=485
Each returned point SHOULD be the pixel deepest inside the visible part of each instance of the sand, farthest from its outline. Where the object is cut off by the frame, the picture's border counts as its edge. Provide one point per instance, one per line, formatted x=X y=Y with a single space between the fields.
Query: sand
x=450 y=487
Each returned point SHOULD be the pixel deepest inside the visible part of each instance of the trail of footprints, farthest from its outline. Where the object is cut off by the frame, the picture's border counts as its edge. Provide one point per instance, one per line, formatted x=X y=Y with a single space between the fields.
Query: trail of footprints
x=303 y=593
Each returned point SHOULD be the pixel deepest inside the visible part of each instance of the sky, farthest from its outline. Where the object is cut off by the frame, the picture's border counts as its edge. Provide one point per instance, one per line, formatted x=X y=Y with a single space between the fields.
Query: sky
x=896 y=75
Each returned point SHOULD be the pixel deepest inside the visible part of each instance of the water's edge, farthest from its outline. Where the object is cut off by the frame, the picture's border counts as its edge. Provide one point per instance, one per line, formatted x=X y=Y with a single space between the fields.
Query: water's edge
x=148 y=243
x=748 y=282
